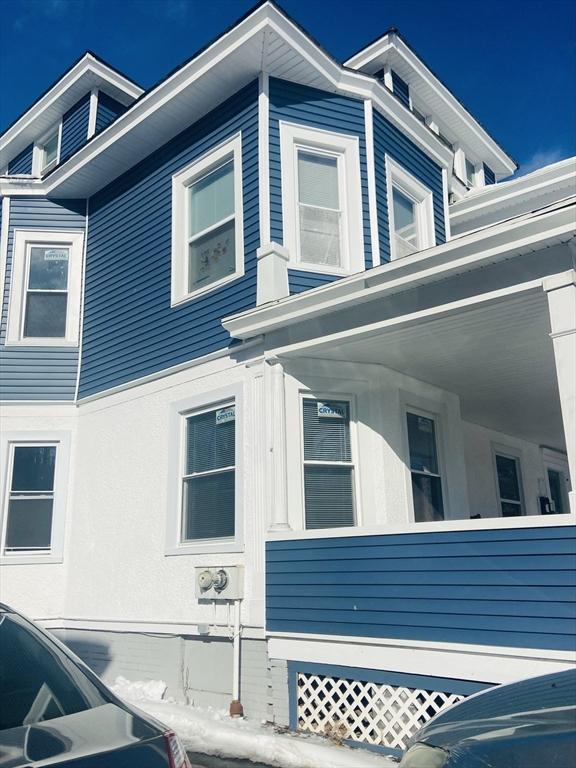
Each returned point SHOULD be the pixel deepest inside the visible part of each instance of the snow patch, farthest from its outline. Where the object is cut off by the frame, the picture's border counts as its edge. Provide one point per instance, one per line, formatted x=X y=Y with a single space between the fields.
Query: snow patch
x=213 y=732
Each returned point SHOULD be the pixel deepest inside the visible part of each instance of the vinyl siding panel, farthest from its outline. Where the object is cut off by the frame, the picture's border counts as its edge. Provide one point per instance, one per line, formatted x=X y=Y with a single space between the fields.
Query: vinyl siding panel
x=300 y=280
x=512 y=587
x=130 y=329
x=22 y=163
x=311 y=107
x=489 y=176
x=388 y=140
x=107 y=111
x=37 y=373
x=400 y=89
x=75 y=128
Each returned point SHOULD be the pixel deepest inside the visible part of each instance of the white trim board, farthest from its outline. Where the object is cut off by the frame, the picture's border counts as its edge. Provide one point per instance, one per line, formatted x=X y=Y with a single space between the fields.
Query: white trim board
x=481 y=663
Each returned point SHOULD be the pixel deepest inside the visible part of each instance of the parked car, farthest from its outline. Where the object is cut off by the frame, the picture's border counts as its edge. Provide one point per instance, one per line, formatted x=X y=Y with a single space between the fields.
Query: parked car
x=54 y=711
x=527 y=724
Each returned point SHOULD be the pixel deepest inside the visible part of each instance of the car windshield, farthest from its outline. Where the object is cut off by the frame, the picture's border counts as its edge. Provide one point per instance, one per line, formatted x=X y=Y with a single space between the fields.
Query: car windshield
x=38 y=681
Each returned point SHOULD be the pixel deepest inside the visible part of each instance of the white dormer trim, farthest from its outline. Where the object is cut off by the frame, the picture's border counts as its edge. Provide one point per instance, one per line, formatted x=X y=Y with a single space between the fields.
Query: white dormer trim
x=63 y=95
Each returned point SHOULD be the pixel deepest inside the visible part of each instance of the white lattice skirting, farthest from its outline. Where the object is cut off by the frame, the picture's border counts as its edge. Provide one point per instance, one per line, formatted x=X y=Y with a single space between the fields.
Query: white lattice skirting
x=373 y=713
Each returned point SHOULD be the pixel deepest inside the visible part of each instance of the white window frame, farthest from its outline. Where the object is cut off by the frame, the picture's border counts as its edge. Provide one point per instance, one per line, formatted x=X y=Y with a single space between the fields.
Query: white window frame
x=399 y=178
x=295 y=137
x=38 y=153
x=181 y=182
x=23 y=241
x=351 y=400
x=516 y=455
x=8 y=442
x=179 y=413
x=437 y=420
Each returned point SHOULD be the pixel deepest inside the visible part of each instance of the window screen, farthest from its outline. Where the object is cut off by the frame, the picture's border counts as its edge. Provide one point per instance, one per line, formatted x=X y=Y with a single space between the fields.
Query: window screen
x=328 y=467
x=319 y=209
x=212 y=227
x=208 y=491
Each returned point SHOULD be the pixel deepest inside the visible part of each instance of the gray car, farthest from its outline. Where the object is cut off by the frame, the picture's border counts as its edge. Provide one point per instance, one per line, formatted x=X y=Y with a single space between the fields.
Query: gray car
x=527 y=724
x=55 y=712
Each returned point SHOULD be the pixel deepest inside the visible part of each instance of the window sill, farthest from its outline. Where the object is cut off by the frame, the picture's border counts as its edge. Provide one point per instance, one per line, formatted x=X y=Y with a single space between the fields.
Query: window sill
x=182 y=299
x=321 y=269
x=206 y=548
x=29 y=559
x=37 y=342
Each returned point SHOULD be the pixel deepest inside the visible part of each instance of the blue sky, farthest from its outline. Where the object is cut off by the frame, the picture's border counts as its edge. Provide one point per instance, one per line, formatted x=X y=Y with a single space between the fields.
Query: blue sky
x=512 y=62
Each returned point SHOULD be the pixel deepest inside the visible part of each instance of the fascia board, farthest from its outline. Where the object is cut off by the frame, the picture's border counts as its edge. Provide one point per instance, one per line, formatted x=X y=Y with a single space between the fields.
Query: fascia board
x=88 y=64
x=435 y=85
x=556 y=175
x=266 y=17
x=374 y=50
x=469 y=251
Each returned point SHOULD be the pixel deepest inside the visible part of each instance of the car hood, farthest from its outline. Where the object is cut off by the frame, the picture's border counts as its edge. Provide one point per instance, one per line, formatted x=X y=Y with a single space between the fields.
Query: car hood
x=94 y=731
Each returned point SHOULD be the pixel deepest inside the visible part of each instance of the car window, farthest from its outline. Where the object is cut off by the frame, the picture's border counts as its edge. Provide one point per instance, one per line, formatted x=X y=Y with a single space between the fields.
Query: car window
x=38 y=681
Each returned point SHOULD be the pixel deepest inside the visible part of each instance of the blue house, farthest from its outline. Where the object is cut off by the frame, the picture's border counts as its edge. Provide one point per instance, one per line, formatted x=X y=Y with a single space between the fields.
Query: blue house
x=287 y=384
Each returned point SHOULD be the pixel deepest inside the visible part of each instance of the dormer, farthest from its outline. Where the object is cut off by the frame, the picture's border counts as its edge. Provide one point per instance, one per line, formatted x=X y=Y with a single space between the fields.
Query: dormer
x=478 y=159
x=85 y=100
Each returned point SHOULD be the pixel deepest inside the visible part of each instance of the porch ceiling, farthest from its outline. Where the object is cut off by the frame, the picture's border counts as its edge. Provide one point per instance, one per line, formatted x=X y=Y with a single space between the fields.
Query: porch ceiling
x=497 y=357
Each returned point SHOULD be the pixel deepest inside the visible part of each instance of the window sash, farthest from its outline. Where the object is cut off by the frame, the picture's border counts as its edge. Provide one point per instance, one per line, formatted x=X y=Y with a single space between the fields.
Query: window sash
x=50 y=154
x=217 y=521
x=507 y=501
x=426 y=481
x=45 y=291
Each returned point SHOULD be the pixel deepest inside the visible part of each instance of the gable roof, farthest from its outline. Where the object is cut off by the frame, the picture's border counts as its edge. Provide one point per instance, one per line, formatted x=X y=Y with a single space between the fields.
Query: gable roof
x=88 y=72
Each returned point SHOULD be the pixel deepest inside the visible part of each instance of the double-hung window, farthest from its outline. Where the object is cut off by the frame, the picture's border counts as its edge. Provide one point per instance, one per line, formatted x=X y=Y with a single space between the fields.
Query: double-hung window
x=470 y=172
x=208 y=481
x=207 y=242
x=424 y=468
x=328 y=465
x=45 y=289
x=508 y=484
x=321 y=200
x=410 y=211
x=33 y=505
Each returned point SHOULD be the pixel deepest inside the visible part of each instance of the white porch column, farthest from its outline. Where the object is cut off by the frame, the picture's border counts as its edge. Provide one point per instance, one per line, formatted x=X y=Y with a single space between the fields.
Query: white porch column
x=272 y=274
x=276 y=434
x=561 y=291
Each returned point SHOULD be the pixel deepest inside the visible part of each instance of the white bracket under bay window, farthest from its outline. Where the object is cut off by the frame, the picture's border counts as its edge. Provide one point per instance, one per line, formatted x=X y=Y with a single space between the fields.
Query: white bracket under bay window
x=44 y=307
x=207 y=223
x=47 y=151
x=205 y=497
x=35 y=469
x=410 y=212
x=329 y=476
x=321 y=200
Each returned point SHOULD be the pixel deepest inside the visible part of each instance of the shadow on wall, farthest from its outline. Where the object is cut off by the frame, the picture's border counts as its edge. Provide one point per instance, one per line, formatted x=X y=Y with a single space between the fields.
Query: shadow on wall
x=95 y=654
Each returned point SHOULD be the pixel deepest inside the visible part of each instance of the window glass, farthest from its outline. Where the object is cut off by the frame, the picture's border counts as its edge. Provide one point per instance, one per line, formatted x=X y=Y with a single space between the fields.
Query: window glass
x=212 y=228
x=31 y=499
x=209 y=479
x=319 y=208
x=508 y=485
x=424 y=465
x=470 y=173
x=404 y=222
x=46 y=293
x=38 y=682
x=557 y=486
x=328 y=468
x=50 y=151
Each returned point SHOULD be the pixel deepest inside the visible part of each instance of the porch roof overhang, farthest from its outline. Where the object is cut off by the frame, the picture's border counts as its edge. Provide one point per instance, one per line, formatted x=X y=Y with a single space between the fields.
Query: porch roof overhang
x=492 y=349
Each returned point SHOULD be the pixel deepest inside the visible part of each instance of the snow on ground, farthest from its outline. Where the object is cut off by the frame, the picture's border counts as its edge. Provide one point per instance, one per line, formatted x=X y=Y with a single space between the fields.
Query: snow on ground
x=213 y=732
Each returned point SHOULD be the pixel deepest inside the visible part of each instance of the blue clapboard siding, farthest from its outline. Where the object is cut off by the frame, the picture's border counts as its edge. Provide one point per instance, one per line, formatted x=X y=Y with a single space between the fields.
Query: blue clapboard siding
x=513 y=587
x=107 y=111
x=300 y=104
x=400 y=89
x=489 y=176
x=388 y=140
x=300 y=280
x=75 y=128
x=22 y=163
x=37 y=373
x=130 y=329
